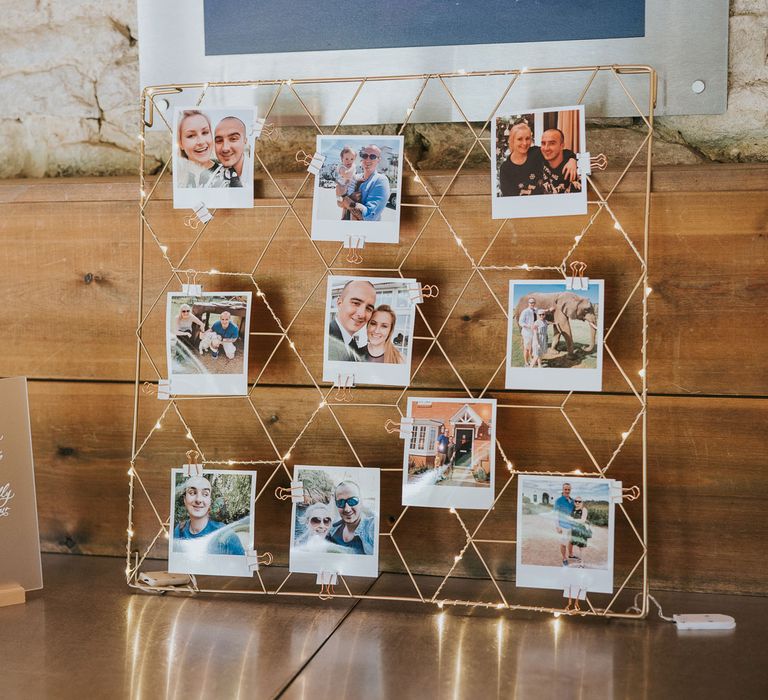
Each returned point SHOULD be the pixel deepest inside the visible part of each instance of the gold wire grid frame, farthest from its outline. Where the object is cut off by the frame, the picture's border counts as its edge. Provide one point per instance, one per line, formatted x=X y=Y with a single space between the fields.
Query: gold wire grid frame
x=338 y=396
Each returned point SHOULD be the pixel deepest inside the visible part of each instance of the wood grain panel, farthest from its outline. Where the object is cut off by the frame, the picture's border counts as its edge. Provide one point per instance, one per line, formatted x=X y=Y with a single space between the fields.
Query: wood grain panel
x=706 y=489
x=75 y=261
x=709 y=177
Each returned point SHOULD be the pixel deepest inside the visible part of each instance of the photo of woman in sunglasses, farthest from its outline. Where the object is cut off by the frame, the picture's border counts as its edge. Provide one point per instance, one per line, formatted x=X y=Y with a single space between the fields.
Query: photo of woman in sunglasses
x=357 y=189
x=336 y=527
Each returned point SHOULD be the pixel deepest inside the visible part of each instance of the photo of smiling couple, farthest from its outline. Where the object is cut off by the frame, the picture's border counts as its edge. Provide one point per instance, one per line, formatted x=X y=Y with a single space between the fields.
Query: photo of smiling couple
x=369 y=322
x=213 y=154
x=336 y=526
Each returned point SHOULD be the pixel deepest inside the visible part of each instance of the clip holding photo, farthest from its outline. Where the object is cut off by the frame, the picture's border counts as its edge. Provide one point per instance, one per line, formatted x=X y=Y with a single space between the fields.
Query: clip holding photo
x=163 y=389
x=574 y=595
x=577 y=279
x=326 y=580
x=261 y=128
x=354 y=245
x=586 y=162
x=190 y=287
x=344 y=385
x=193 y=467
x=199 y=215
x=404 y=428
x=422 y=292
x=313 y=162
x=255 y=559
x=630 y=493
x=295 y=493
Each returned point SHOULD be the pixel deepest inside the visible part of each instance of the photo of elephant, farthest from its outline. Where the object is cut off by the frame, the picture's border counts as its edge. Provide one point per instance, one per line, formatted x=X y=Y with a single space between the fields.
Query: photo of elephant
x=556 y=333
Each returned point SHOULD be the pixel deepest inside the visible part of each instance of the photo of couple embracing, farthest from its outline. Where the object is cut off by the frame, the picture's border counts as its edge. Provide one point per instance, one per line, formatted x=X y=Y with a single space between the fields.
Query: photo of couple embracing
x=369 y=329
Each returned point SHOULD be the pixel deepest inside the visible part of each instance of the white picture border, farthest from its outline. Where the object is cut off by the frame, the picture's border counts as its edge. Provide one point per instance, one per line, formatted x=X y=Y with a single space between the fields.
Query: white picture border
x=302 y=561
x=216 y=197
x=564 y=577
x=373 y=231
x=208 y=384
x=213 y=564
x=555 y=378
x=568 y=204
x=373 y=373
x=444 y=496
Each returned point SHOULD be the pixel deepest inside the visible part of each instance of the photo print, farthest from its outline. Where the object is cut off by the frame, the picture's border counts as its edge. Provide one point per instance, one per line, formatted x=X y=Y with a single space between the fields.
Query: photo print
x=449 y=459
x=211 y=522
x=555 y=336
x=336 y=527
x=565 y=532
x=358 y=189
x=213 y=157
x=534 y=169
x=207 y=343
x=369 y=329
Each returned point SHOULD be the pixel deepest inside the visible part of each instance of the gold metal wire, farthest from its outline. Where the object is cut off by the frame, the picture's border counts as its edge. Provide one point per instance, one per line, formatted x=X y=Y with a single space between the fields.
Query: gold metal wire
x=134 y=558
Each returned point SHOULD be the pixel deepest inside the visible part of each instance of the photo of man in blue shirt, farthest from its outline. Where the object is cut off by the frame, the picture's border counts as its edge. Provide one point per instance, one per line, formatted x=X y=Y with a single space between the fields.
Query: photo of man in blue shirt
x=564 y=523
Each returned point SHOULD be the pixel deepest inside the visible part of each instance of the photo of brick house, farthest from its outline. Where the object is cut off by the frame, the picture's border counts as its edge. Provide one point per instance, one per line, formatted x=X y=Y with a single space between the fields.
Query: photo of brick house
x=451 y=443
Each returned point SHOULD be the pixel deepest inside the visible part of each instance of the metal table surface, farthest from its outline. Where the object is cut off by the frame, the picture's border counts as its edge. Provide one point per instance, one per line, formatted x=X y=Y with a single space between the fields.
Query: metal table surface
x=88 y=635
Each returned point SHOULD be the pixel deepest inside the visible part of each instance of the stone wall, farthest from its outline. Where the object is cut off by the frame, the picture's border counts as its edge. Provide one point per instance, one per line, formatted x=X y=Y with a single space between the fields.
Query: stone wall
x=69 y=83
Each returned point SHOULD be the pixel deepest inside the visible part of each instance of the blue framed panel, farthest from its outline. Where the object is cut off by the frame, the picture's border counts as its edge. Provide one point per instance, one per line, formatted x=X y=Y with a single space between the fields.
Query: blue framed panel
x=248 y=27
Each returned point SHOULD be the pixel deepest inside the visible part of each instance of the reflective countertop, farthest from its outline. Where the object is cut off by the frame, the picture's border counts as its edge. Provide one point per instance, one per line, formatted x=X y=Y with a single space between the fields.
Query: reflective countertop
x=86 y=634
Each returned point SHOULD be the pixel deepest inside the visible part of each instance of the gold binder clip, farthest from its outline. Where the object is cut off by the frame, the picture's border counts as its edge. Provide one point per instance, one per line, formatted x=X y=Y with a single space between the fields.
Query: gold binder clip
x=192 y=456
x=577 y=279
x=427 y=291
x=573 y=605
x=598 y=162
x=148 y=389
x=312 y=162
x=354 y=246
x=391 y=427
x=327 y=580
x=255 y=560
x=303 y=158
x=261 y=129
x=631 y=493
x=344 y=384
x=404 y=427
x=199 y=215
x=295 y=492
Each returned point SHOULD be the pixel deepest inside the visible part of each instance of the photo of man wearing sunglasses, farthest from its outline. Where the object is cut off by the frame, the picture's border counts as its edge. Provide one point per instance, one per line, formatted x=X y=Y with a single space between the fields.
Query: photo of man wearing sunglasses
x=357 y=188
x=335 y=527
x=354 y=530
x=372 y=191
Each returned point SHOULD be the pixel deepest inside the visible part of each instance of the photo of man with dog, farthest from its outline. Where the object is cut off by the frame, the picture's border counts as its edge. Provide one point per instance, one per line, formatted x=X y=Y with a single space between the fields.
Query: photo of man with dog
x=207 y=336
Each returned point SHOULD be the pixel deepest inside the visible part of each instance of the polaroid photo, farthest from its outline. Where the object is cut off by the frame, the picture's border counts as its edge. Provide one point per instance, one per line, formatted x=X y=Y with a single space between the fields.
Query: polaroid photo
x=534 y=170
x=207 y=343
x=213 y=157
x=449 y=459
x=565 y=532
x=369 y=323
x=358 y=189
x=336 y=527
x=555 y=336
x=211 y=522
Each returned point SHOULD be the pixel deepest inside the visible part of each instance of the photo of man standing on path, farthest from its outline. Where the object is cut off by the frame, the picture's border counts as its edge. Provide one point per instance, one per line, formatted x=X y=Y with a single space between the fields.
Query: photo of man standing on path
x=565 y=532
x=449 y=460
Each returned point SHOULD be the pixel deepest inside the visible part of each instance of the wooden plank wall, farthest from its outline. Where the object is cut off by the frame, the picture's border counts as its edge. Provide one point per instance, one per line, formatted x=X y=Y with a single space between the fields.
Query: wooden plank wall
x=70 y=254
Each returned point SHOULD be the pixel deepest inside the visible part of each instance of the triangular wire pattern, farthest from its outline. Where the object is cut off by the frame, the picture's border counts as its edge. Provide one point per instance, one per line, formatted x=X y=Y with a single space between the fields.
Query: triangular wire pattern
x=279 y=459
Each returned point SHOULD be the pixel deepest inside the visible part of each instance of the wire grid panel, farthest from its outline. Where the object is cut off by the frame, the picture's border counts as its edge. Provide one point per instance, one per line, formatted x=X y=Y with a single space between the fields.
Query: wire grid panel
x=486 y=260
